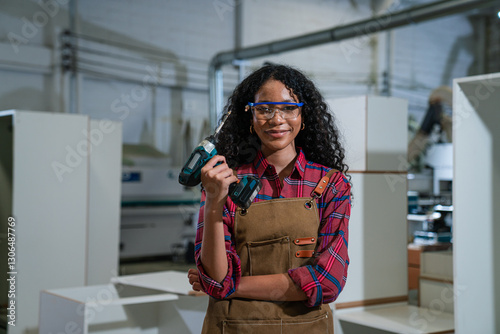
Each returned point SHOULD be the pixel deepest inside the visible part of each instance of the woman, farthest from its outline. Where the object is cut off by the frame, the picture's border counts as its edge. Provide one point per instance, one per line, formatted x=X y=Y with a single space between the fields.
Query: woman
x=274 y=267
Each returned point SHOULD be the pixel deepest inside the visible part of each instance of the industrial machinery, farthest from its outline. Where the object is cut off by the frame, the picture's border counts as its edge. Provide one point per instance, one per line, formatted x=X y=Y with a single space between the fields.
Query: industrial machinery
x=430 y=155
x=158 y=215
x=440 y=98
x=430 y=151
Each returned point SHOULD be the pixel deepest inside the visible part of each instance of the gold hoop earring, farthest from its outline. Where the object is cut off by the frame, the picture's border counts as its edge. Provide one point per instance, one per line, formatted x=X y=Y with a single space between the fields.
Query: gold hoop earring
x=303 y=126
x=251 y=129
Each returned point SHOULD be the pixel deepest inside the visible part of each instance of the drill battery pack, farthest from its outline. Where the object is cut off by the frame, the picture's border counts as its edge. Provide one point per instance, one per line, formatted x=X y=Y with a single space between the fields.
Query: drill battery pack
x=243 y=192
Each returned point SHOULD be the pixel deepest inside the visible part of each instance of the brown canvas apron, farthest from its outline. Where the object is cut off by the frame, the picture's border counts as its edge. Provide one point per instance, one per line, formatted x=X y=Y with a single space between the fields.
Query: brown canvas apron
x=271 y=237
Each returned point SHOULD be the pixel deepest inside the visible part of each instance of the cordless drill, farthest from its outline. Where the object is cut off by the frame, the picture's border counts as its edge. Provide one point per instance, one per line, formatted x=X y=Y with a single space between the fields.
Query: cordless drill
x=241 y=193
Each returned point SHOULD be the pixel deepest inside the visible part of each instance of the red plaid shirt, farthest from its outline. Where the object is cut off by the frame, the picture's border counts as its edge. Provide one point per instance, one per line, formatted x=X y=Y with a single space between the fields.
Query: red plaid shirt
x=323 y=281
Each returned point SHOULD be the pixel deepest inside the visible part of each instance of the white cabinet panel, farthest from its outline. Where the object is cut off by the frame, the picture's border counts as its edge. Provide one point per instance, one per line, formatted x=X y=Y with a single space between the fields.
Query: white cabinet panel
x=104 y=200
x=375 y=131
x=377 y=240
x=61 y=190
x=476 y=198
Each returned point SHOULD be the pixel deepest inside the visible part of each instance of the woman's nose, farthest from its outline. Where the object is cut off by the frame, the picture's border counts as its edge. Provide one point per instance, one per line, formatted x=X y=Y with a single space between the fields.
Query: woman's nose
x=277 y=117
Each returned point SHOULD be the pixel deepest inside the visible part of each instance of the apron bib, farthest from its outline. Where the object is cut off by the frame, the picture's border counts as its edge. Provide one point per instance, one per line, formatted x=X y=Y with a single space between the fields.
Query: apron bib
x=272 y=237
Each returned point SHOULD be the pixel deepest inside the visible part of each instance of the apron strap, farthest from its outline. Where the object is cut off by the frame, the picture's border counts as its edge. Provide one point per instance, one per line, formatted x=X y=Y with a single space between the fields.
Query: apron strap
x=321 y=186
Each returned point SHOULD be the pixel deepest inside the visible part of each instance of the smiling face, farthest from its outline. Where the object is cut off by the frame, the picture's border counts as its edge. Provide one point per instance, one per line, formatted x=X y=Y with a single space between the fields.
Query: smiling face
x=276 y=134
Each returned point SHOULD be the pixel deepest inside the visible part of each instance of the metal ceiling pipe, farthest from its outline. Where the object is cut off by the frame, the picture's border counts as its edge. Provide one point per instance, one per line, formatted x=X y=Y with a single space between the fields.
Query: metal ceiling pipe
x=361 y=28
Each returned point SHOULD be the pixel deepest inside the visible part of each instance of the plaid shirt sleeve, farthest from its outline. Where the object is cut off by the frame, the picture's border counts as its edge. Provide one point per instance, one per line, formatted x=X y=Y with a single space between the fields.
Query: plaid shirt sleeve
x=324 y=280
x=213 y=288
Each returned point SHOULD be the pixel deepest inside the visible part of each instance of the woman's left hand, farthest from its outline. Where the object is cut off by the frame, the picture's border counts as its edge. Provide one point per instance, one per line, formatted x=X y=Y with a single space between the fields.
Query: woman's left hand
x=194 y=279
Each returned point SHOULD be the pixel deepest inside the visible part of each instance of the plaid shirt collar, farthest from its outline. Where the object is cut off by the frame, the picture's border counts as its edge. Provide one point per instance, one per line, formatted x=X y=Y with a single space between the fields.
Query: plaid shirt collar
x=261 y=165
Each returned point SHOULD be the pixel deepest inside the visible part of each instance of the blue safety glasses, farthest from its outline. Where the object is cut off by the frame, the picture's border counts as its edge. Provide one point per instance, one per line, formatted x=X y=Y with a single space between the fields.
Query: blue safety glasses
x=267 y=110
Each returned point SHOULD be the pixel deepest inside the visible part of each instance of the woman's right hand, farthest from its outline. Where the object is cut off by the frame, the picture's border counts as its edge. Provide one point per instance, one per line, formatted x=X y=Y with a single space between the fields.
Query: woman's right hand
x=194 y=279
x=216 y=180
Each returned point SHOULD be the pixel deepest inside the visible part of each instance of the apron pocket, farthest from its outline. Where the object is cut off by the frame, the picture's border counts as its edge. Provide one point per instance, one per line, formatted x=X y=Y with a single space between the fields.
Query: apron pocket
x=269 y=256
x=319 y=324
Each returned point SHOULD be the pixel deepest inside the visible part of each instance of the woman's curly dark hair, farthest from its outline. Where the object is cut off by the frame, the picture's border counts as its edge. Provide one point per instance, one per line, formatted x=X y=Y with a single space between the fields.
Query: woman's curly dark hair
x=319 y=140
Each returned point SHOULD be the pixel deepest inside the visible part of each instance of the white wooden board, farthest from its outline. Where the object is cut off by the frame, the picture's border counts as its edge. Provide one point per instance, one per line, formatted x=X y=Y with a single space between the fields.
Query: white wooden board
x=169 y=281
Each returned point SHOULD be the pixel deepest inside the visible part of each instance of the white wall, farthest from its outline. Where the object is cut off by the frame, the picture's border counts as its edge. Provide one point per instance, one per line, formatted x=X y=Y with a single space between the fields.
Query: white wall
x=340 y=69
x=424 y=56
x=429 y=55
x=165 y=44
x=168 y=46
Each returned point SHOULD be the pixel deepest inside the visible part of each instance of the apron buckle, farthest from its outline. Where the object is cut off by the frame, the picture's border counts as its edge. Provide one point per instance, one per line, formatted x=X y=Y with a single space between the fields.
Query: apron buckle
x=309 y=204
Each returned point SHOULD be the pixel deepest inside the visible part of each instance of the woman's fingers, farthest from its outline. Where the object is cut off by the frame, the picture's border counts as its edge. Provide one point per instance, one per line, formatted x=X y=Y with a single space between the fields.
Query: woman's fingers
x=216 y=176
x=216 y=159
x=216 y=168
x=194 y=279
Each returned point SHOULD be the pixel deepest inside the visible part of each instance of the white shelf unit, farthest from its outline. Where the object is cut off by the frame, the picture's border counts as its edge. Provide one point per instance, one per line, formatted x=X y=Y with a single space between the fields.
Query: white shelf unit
x=476 y=198
x=65 y=201
x=156 y=303
x=99 y=309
